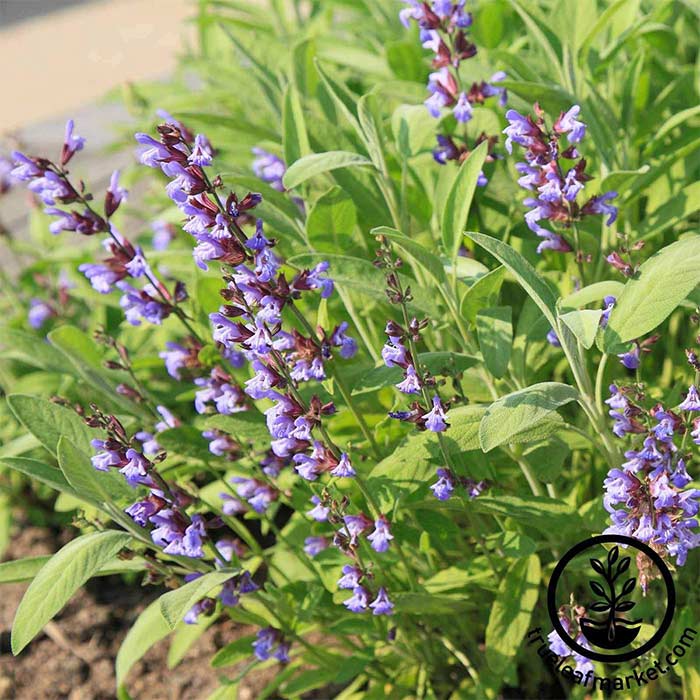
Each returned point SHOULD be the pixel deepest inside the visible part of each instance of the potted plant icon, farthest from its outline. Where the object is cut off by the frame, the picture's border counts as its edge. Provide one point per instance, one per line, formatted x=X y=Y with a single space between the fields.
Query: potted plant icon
x=613 y=632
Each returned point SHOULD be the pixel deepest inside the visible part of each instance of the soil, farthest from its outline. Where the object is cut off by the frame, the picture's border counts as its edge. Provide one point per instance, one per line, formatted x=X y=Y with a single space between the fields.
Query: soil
x=74 y=658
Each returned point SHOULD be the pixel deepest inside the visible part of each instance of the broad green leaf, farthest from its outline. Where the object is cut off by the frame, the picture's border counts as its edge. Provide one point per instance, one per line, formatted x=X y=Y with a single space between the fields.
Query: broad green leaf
x=246 y=426
x=680 y=207
x=593 y=292
x=296 y=139
x=29 y=348
x=88 y=482
x=21 y=570
x=494 y=330
x=520 y=411
x=48 y=421
x=547 y=515
x=430 y=603
x=552 y=97
x=511 y=612
x=234 y=652
x=483 y=293
x=405 y=59
x=175 y=604
x=35 y=469
x=459 y=200
x=584 y=324
x=185 y=441
x=58 y=580
x=602 y=23
x=456 y=578
x=526 y=275
x=437 y=363
x=412 y=126
x=675 y=121
x=415 y=251
x=149 y=628
x=319 y=163
x=662 y=282
x=185 y=636
x=539 y=36
x=366 y=108
x=547 y=458
x=331 y=221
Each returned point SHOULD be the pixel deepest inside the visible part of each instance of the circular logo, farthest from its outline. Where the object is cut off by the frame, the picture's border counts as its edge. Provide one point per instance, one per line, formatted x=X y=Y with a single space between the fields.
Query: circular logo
x=609 y=623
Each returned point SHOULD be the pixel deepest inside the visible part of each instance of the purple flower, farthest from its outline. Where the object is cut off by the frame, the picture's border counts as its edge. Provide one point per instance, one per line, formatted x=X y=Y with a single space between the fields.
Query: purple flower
x=631 y=358
x=599 y=205
x=102 y=461
x=202 y=607
x=462 y=110
x=201 y=152
x=356 y=525
x=394 y=353
x=609 y=304
x=269 y=168
x=381 y=605
x=381 y=536
x=350 y=578
x=435 y=419
x=315 y=545
x=343 y=469
x=39 y=313
x=411 y=382
x=553 y=338
x=115 y=194
x=136 y=469
x=25 y=168
x=691 y=401
x=142 y=305
x=569 y=124
x=442 y=489
x=319 y=512
x=347 y=345
x=266 y=639
x=358 y=601
x=176 y=358
x=163 y=234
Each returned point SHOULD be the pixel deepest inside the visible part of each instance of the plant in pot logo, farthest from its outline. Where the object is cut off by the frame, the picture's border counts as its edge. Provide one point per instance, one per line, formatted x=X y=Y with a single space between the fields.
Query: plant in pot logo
x=613 y=631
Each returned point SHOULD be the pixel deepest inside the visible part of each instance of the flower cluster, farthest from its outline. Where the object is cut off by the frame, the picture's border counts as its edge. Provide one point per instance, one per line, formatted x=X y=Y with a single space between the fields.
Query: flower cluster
x=164 y=507
x=558 y=186
x=270 y=643
x=52 y=184
x=570 y=616
x=657 y=508
x=443 y=30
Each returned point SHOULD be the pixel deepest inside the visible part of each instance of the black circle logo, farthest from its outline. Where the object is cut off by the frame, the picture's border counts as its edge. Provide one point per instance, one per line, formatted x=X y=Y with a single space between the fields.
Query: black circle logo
x=609 y=623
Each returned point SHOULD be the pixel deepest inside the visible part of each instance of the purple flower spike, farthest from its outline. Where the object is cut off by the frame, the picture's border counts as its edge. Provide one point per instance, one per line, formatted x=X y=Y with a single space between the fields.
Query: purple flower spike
x=411 y=382
x=442 y=489
x=343 y=469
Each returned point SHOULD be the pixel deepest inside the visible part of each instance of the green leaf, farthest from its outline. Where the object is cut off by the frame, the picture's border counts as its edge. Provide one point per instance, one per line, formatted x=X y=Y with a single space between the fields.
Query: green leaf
x=149 y=628
x=547 y=515
x=319 y=163
x=28 y=348
x=674 y=121
x=234 y=652
x=415 y=251
x=58 y=580
x=296 y=140
x=437 y=363
x=26 y=569
x=661 y=284
x=681 y=206
x=511 y=612
x=185 y=636
x=547 y=458
x=175 y=604
x=495 y=333
x=331 y=221
x=430 y=603
x=595 y=292
x=526 y=275
x=88 y=482
x=45 y=473
x=483 y=293
x=459 y=200
x=185 y=441
x=246 y=426
x=584 y=324
x=47 y=421
x=520 y=411
x=539 y=36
